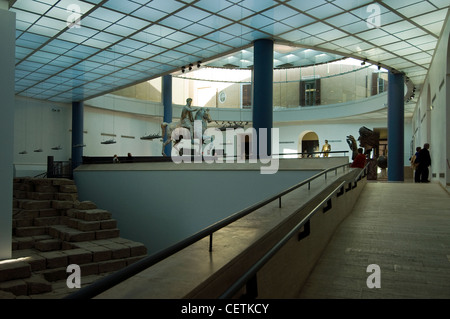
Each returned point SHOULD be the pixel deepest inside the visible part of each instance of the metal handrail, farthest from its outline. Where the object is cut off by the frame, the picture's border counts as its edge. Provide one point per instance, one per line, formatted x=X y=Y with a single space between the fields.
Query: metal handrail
x=251 y=273
x=238 y=284
x=117 y=277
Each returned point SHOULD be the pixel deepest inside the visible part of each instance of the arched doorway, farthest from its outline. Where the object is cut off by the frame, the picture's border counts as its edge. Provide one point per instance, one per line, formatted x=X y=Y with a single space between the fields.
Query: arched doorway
x=308 y=143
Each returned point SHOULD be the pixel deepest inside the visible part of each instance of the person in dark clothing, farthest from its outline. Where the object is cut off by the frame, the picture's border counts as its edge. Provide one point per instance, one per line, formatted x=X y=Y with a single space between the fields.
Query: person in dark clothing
x=424 y=160
x=415 y=165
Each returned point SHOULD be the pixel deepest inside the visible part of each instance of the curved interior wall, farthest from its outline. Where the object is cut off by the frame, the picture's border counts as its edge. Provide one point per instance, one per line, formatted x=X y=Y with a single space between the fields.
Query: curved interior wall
x=39 y=126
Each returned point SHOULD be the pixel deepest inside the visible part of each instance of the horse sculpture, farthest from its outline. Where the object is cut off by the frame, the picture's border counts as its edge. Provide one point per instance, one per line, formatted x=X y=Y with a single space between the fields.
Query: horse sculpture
x=201 y=115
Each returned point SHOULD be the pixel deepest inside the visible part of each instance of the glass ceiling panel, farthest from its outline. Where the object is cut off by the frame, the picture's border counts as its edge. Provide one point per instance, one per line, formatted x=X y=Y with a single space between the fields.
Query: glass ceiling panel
x=141 y=39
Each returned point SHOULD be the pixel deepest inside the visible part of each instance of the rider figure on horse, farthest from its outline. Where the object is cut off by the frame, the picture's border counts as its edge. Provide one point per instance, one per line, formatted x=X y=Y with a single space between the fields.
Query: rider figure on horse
x=187 y=119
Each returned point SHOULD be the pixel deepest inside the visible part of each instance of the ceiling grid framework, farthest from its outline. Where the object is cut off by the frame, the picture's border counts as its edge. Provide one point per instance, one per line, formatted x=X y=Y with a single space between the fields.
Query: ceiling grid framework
x=118 y=43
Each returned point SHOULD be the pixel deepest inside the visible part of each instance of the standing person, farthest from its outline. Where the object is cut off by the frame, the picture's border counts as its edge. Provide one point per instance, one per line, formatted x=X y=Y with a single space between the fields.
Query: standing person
x=326 y=148
x=115 y=159
x=129 y=157
x=424 y=160
x=360 y=159
x=415 y=165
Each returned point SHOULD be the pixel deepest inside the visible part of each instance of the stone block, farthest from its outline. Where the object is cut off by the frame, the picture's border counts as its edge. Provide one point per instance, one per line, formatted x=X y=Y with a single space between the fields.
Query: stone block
x=55 y=259
x=118 y=250
x=46 y=221
x=108 y=224
x=59 y=204
x=94 y=214
x=100 y=253
x=78 y=256
x=37 y=284
x=48 y=245
x=65 y=245
x=107 y=233
x=23 y=222
x=7 y=295
x=76 y=236
x=72 y=213
x=11 y=269
x=14 y=244
x=87 y=225
x=17 y=287
x=49 y=212
x=40 y=181
x=42 y=188
x=36 y=204
x=20 y=194
x=22 y=213
x=30 y=231
x=37 y=262
x=55 y=274
x=40 y=196
x=62 y=181
x=68 y=189
x=84 y=205
x=24 y=243
x=66 y=196
x=88 y=269
x=71 y=222
x=28 y=187
x=137 y=249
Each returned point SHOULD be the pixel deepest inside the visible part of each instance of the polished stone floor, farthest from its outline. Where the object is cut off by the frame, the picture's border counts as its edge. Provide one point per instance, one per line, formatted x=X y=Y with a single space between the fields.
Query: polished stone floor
x=404 y=229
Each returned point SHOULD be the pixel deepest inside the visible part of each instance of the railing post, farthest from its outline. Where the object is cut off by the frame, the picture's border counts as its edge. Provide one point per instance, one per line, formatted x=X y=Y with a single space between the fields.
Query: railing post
x=210 y=242
x=251 y=289
x=279 y=202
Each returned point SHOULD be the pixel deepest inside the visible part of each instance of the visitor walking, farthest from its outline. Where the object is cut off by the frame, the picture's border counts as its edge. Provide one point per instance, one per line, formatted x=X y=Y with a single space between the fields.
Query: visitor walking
x=424 y=160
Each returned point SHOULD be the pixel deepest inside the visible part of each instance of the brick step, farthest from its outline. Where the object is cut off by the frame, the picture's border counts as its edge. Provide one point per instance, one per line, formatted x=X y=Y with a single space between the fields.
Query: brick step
x=21 y=243
x=70 y=234
x=12 y=269
x=89 y=214
x=48 y=245
x=35 y=213
x=35 y=284
x=94 y=268
x=29 y=231
x=29 y=204
x=84 y=225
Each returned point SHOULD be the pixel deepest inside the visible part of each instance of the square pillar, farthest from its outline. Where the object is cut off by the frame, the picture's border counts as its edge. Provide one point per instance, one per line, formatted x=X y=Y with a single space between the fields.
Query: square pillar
x=396 y=126
x=7 y=78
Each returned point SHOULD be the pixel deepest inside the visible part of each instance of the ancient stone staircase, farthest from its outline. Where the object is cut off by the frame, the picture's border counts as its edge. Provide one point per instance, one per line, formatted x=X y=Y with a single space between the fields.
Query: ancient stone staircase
x=53 y=229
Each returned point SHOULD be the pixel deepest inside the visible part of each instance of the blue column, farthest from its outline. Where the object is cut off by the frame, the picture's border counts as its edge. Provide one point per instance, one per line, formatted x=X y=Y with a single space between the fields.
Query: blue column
x=167 y=103
x=7 y=66
x=77 y=134
x=263 y=91
x=396 y=115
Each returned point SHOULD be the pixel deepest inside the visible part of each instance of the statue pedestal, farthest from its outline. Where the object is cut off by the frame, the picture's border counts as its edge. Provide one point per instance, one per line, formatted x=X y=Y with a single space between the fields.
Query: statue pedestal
x=372 y=169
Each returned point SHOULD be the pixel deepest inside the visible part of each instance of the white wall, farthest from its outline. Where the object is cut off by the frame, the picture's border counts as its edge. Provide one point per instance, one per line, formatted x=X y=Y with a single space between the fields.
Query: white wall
x=40 y=125
x=433 y=125
x=128 y=128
